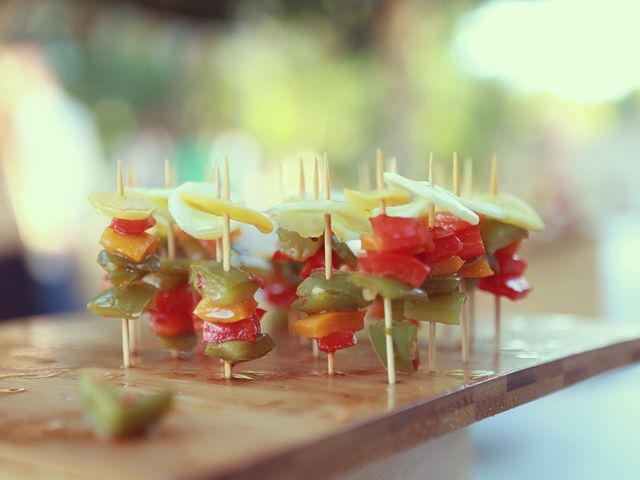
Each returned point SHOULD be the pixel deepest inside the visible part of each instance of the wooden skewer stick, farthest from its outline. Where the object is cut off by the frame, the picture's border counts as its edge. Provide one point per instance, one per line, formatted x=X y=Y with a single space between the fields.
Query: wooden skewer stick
x=226 y=242
x=126 y=353
x=432 y=325
x=315 y=192
x=328 y=248
x=216 y=185
x=467 y=182
x=497 y=305
x=301 y=183
x=464 y=319
x=171 y=236
x=393 y=165
x=135 y=329
x=388 y=313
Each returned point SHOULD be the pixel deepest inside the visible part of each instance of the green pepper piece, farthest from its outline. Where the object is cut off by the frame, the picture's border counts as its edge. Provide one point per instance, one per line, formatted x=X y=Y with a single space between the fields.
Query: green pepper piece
x=297 y=247
x=344 y=252
x=129 y=303
x=224 y=288
x=441 y=284
x=123 y=271
x=182 y=343
x=496 y=235
x=326 y=302
x=112 y=415
x=440 y=308
x=289 y=271
x=340 y=284
x=237 y=351
x=386 y=287
x=405 y=345
x=192 y=248
x=163 y=280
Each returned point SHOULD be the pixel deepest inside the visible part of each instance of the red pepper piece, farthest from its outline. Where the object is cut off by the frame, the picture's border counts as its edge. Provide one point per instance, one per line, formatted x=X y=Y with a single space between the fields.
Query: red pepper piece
x=177 y=299
x=279 y=293
x=247 y=330
x=511 y=266
x=472 y=245
x=317 y=261
x=406 y=235
x=416 y=363
x=169 y=324
x=132 y=227
x=400 y=267
x=278 y=256
x=448 y=224
x=444 y=247
x=509 y=250
x=337 y=341
x=513 y=288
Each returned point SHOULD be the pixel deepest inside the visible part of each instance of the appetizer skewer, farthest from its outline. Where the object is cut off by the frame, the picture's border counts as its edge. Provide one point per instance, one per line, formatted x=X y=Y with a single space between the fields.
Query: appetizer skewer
x=128 y=255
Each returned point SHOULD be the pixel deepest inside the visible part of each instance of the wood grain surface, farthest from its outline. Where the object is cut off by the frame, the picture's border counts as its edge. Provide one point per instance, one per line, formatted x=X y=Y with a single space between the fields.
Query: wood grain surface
x=281 y=417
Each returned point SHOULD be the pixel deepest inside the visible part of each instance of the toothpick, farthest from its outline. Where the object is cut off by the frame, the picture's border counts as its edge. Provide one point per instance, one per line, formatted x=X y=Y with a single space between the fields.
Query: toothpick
x=393 y=165
x=432 y=222
x=126 y=353
x=171 y=238
x=315 y=185
x=226 y=241
x=328 y=248
x=216 y=185
x=497 y=307
x=380 y=179
x=388 y=314
x=135 y=330
x=301 y=183
x=467 y=182
x=463 y=319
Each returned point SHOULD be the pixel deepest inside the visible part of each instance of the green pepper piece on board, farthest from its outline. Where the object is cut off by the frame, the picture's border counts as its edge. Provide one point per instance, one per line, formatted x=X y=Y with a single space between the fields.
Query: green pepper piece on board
x=224 y=288
x=405 y=344
x=130 y=303
x=112 y=415
x=182 y=343
x=340 y=284
x=441 y=284
x=296 y=247
x=440 y=308
x=496 y=235
x=237 y=351
x=326 y=302
x=386 y=287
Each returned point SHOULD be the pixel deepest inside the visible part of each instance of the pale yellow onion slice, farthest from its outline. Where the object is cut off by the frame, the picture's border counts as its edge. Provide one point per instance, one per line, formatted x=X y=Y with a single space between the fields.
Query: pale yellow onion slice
x=158 y=196
x=216 y=206
x=370 y=200
x=200 y=225
x=443 y=199
x=415 y=209
x=114 y=205
x=306 y=217
x=517 y=212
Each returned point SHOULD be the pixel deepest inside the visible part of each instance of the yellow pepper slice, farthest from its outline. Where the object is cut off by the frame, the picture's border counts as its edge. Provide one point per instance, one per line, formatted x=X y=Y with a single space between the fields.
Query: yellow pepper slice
x=445 y=266
x=370 y=200
x=200 y=225
x=135 y=247
x=322 y=324
x=212 y=312
x=517 y=212
x=216 y=206
x=126 y=207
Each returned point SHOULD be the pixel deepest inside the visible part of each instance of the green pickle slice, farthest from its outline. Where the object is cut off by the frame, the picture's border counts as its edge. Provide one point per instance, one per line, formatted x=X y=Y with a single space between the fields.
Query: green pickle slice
x=440 y=308
x=340 y=284
x=405 y=344
x=297 y=247
x=496 y=235
x=182 y=343
x=113 y=415
x=441 y=284
x=326 y=302
x=237 y=351
x=224 y=288
x=128 y=303
x=344 y=252
x=387 y=287
x=122 y=271
x=171 y=273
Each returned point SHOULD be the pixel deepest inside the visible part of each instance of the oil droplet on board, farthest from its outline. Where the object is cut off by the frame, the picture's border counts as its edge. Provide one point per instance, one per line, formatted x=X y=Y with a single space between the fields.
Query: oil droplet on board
x=9 y=391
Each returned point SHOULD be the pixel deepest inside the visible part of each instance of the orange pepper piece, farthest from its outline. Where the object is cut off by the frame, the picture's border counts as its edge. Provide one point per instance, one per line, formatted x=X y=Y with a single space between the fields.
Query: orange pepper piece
x=446 y=266
x=212 y=312
x=323 y=324
x=477 y=269
x=371 y=242
x=135 y=247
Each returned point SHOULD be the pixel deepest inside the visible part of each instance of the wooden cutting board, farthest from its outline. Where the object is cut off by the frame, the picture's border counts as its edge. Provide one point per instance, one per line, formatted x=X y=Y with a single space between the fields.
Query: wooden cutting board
x=282 y=417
